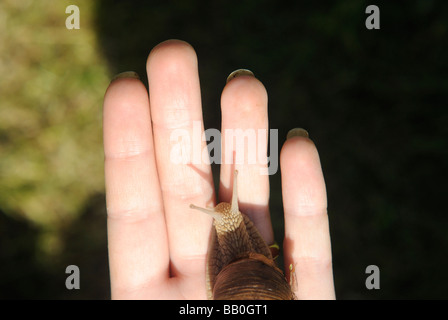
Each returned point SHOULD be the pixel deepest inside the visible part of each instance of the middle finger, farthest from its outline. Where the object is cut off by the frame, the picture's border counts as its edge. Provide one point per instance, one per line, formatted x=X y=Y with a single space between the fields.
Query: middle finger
x=175 y=102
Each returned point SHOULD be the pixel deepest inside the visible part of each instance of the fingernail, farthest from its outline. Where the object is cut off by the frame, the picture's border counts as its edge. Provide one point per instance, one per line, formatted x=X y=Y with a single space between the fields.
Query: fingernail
x=297 y=132
x=238 y=73
x=126 y=74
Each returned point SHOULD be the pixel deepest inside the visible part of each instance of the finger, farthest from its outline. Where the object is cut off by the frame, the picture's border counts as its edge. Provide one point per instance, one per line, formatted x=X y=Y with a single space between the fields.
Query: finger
x=177 y=120
x=138 y=252
x=307 y=237
x=245 y=120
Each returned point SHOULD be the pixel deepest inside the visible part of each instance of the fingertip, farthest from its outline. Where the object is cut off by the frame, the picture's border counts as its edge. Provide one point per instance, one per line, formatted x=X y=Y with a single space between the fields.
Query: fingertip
x=243 y=96
x=125 y=114
x=171 y=54
x=174 y=87
x=302 y=177
x=122 y=85
x=121 y=94
x=298 y=148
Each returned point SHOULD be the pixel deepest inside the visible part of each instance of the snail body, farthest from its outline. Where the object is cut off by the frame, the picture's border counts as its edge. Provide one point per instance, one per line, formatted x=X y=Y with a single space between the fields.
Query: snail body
x=240 y=265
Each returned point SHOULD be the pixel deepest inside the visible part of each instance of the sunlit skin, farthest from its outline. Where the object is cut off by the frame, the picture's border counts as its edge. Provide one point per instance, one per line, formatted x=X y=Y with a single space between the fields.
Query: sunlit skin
x=157 y=244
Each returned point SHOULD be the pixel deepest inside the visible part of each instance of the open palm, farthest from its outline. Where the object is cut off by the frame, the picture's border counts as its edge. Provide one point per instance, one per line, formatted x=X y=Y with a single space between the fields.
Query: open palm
x=157 y=244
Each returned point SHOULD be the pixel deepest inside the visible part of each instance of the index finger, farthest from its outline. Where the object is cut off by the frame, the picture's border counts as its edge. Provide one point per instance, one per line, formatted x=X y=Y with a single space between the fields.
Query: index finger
x=137 y=240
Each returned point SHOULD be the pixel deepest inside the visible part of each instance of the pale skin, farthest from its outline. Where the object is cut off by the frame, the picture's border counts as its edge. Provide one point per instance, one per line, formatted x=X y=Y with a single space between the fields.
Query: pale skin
x=157 y=244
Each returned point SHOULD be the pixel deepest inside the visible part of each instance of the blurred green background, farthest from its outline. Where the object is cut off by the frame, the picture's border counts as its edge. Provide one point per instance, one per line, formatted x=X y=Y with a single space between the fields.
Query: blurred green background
x=374 y=102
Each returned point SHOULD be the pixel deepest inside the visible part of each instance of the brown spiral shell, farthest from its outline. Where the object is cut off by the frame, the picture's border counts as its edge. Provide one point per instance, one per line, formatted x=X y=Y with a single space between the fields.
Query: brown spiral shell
x=239 y=264
x=254 y=277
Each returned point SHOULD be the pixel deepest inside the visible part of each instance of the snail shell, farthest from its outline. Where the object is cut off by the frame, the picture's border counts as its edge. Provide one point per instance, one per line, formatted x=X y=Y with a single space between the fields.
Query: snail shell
x=239 y=263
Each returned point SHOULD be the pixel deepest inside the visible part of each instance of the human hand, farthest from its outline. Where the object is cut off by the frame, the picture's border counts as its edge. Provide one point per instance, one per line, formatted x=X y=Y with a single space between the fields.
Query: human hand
x=157 y=244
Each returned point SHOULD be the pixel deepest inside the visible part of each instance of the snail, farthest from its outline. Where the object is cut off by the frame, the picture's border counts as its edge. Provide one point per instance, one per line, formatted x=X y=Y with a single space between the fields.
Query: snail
x=240 y=265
